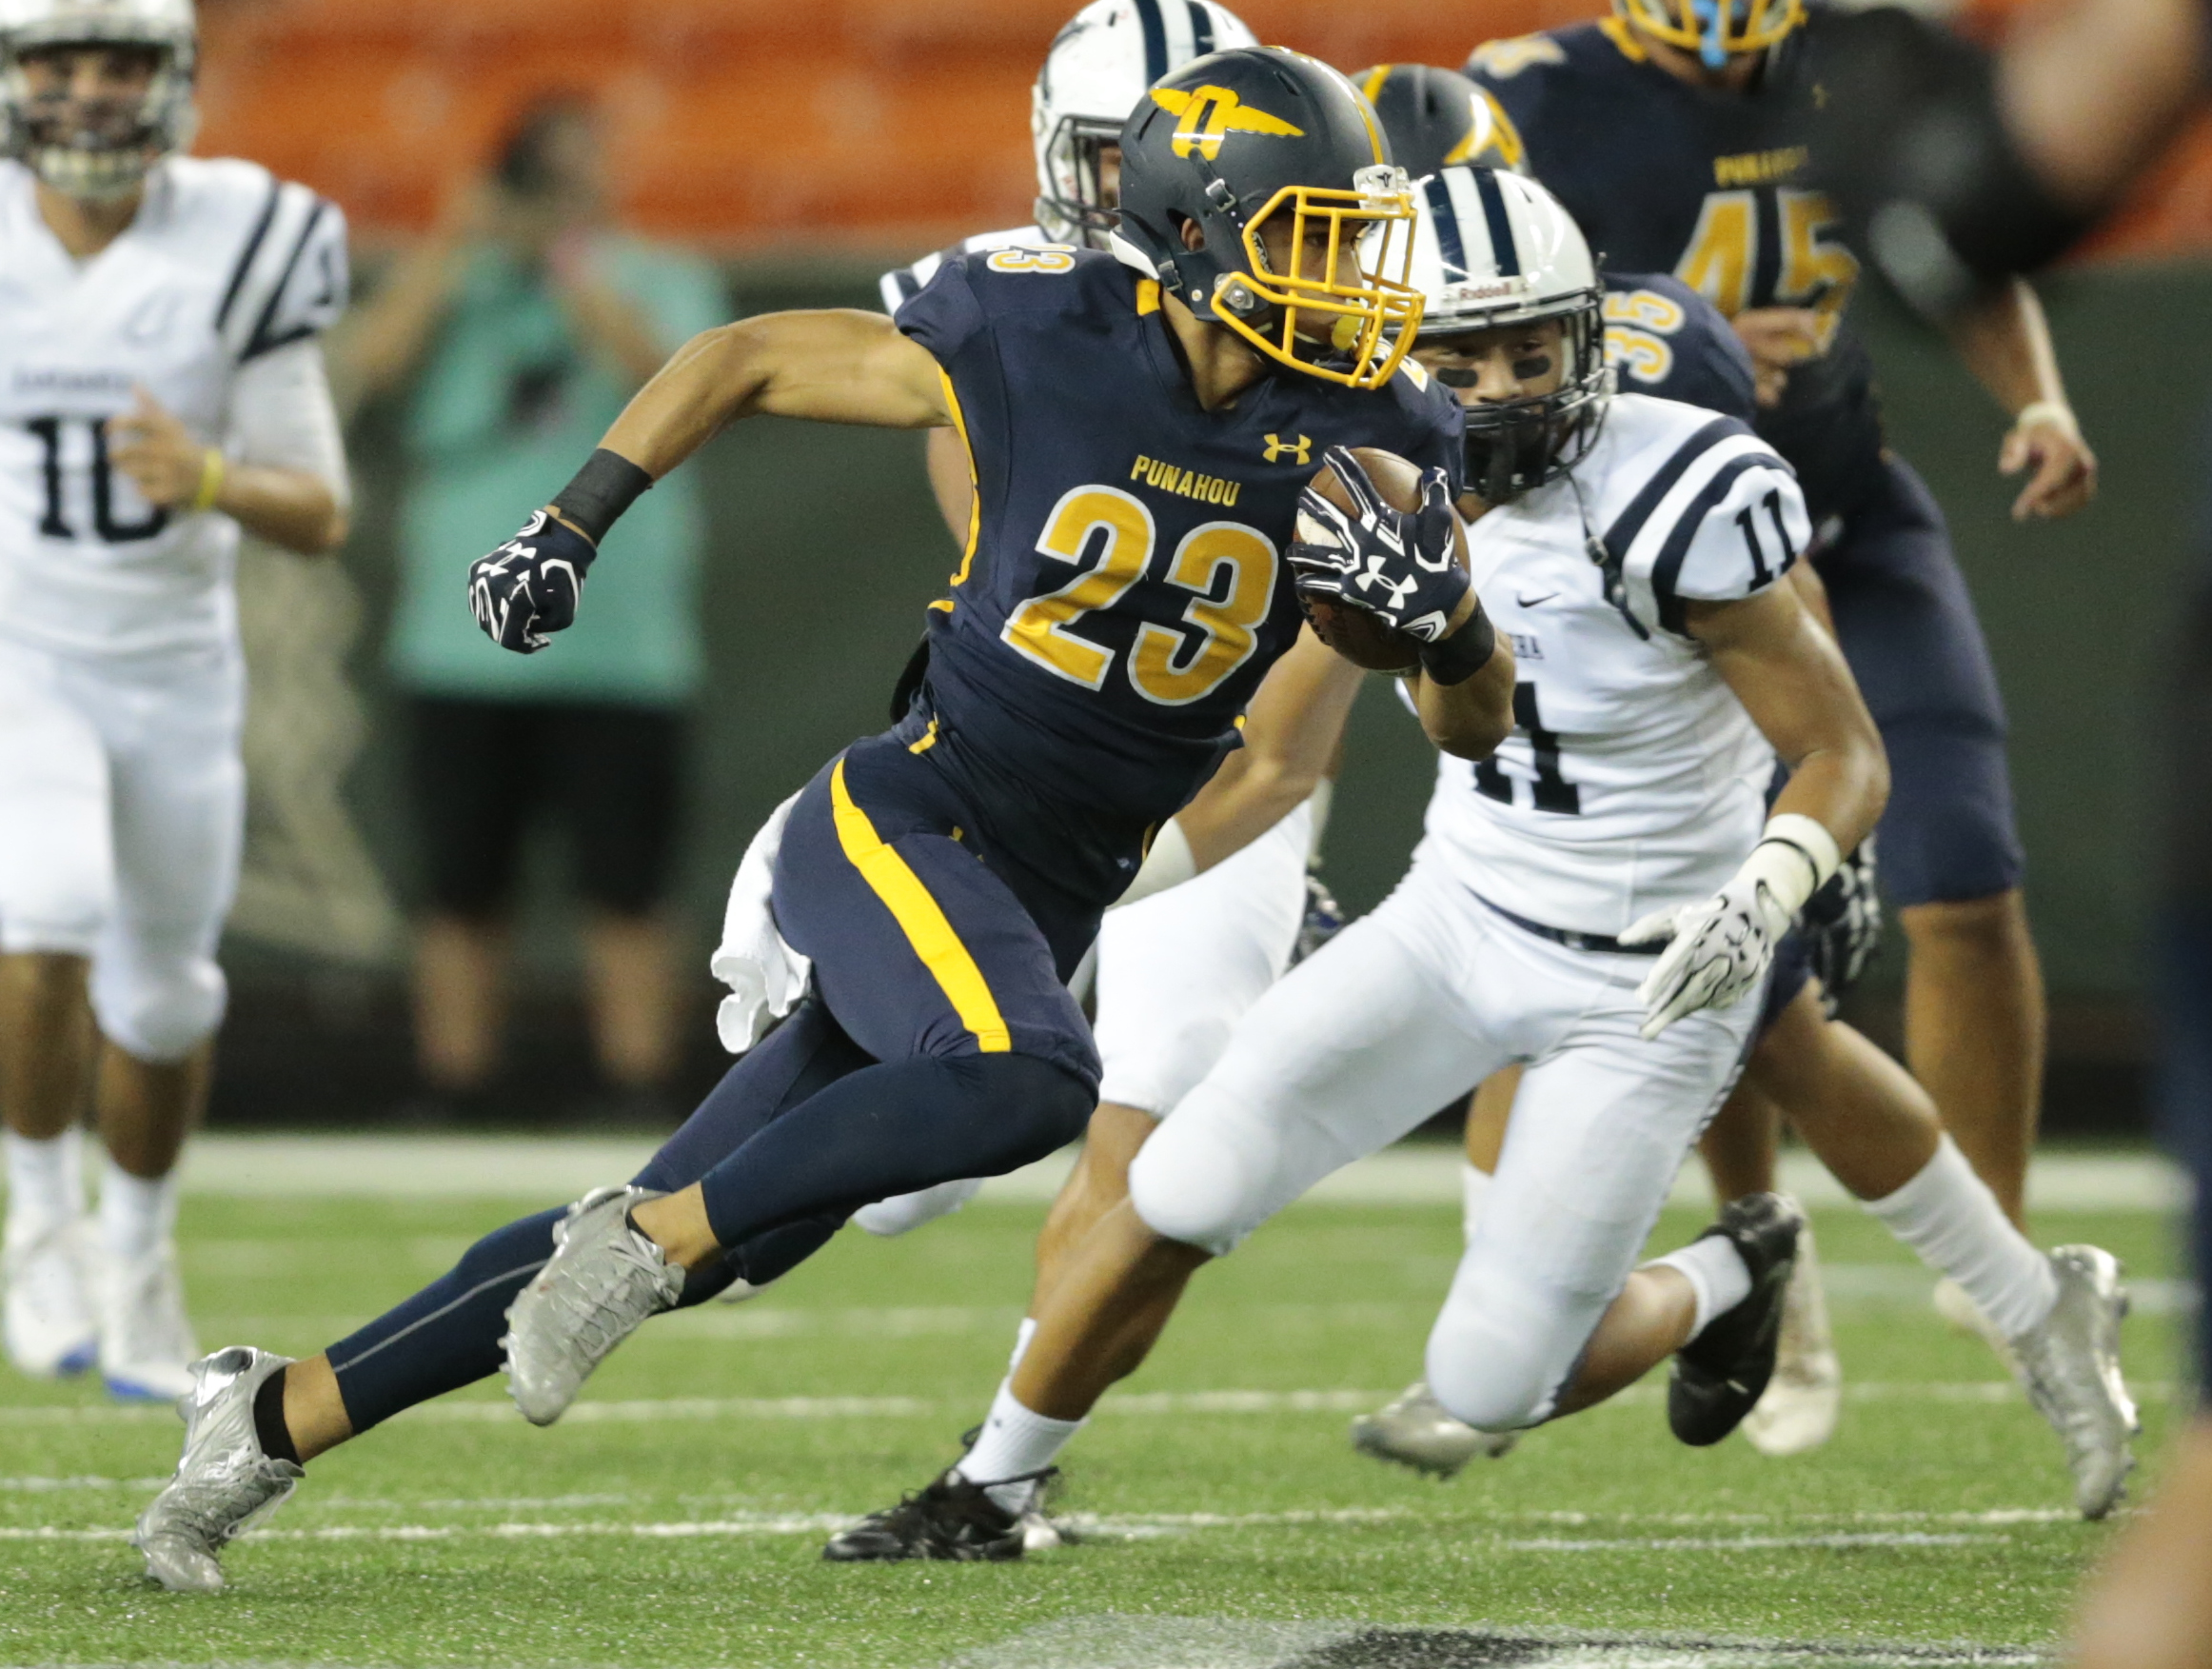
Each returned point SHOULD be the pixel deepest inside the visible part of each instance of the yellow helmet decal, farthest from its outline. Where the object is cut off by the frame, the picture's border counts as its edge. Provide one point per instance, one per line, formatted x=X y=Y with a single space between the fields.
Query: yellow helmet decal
x=1207 y=115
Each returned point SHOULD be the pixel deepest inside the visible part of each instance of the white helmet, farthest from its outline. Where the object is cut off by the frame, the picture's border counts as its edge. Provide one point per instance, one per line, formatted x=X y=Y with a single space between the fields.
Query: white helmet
x=1494 y=248
x=91 y=159
x=1098 y=68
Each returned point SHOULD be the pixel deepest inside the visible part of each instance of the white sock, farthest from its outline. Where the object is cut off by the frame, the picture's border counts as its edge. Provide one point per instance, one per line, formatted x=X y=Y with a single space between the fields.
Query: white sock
x=1949 y=1215
x=45 y=1180
x=1022 y=1335
x=1716 y=1273
x=1013 y=1442
x=1473 y=1190
x=137 y=1215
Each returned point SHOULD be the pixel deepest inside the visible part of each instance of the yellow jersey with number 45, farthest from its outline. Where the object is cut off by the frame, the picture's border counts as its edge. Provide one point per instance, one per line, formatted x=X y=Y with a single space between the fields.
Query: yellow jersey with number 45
x=1712 y=186
x=1124 y=586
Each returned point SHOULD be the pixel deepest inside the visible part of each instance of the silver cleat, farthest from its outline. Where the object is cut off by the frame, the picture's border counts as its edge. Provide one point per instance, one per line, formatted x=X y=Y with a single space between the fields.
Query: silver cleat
x=1418 y=1431
x=602 y=1280
x=224 y=1482
x=2069 y=1367
x=1804 y=1398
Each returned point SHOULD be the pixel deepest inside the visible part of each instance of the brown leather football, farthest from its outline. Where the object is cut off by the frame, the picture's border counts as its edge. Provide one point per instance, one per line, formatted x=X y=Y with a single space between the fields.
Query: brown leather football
x=1359 y=636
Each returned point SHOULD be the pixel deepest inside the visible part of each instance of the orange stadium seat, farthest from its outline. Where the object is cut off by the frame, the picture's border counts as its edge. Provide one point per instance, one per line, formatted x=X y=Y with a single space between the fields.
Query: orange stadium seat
x=732 y=121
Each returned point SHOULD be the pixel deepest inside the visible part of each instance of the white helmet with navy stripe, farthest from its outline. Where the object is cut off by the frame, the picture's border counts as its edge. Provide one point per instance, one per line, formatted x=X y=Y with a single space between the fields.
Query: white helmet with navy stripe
x=96 y=148
x=1101 y=65
x=1493 y=249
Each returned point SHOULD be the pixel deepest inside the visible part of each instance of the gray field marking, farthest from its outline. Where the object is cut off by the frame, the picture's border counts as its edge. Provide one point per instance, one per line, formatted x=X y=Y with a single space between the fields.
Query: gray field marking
x=550 y=1169
x=1212 y=1642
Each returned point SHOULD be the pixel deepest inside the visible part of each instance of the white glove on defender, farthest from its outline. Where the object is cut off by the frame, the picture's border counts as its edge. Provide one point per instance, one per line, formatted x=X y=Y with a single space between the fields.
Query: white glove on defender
x=1721 y=948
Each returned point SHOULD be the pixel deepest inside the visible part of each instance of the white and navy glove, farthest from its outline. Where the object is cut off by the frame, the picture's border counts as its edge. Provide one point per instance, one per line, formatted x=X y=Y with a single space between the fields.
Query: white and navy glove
x=530 y=584
x=1721 y=949
x=1396 y=566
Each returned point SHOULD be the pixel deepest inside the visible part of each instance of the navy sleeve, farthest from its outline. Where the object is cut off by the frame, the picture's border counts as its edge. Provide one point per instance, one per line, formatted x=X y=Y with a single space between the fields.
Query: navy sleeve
x=1664 y=338
x=945 y=317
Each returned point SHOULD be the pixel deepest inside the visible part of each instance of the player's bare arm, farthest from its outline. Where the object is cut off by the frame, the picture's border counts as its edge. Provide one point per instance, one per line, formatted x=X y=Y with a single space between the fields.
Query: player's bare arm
x=2006 y=341
x=175 y=471
x=1291 y=735
x=1792 y=678
x=830 y=365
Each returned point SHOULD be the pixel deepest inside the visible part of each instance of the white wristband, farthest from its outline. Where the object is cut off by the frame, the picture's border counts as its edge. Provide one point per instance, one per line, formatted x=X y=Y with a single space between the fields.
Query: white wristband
x=2055 y=412
x=1794 y=859
x=1169 y=864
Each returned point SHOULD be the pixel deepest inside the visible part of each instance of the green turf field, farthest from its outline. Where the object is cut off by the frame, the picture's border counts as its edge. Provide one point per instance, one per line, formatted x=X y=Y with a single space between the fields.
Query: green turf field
x=676 y=1517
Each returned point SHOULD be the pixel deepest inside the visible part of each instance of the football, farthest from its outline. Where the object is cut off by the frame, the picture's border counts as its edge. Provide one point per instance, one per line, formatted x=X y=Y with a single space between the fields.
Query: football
x=1353 y=633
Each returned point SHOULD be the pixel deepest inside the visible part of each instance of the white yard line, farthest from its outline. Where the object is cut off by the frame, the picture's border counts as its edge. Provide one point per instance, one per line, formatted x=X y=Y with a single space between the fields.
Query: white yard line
x=647 y=1411
x=545 y=1169
x=1133 y=1524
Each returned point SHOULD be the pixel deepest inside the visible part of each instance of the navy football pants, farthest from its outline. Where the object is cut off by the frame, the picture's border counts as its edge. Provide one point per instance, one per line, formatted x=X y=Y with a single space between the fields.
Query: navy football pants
x=1908 y=631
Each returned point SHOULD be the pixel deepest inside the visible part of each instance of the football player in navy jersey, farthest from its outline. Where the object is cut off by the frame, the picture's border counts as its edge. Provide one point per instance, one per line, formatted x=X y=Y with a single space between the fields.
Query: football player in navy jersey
x=1141 y=425
x=1678 y=136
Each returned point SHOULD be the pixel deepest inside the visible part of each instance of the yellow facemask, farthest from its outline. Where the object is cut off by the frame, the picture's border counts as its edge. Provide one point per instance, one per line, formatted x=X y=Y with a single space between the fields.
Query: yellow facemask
x=1368 y=325
x=1716 y=30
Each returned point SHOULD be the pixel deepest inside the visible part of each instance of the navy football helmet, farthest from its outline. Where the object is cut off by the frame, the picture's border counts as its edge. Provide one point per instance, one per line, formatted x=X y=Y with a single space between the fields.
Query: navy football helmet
x=1438 y=119
x=1239 y=140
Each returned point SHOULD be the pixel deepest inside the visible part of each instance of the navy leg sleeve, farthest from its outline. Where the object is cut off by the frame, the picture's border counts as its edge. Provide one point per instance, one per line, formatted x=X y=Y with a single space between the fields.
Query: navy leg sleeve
x=891 y=1129
x=447 y=1335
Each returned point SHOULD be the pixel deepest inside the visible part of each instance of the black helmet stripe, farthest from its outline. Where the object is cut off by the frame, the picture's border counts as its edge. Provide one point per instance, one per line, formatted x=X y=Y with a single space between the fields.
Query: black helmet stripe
x=1445 y=217
x=1202 y=29
x=1501 y=226
x=1156 y=39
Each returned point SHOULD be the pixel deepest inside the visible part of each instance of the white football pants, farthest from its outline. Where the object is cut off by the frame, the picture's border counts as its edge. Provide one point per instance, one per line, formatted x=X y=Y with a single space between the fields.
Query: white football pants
x=1176 y=971
x=122 y=818
x=1404 y=1012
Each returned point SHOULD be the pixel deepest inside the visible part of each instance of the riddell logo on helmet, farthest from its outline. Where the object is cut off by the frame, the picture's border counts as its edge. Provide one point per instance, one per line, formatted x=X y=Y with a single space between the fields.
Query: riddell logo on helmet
x=1210 y=114
x=1490 y=291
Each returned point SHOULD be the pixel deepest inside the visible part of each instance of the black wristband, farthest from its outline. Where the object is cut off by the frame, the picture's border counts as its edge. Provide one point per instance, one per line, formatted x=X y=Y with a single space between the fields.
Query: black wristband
x=606 y=486
x=1459 y=657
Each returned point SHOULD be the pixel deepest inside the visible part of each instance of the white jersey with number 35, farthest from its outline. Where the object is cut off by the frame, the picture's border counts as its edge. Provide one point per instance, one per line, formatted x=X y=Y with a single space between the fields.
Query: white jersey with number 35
x=223 y=267
x=1633 y=778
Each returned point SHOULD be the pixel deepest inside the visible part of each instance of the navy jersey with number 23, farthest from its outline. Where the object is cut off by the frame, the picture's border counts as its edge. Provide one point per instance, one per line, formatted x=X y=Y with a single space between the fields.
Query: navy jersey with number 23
x=1124 y=587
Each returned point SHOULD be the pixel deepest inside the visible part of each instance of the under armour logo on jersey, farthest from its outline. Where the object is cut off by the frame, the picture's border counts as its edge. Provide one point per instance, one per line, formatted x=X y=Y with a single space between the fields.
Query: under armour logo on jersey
x=1299 y=450
x=1209 y=114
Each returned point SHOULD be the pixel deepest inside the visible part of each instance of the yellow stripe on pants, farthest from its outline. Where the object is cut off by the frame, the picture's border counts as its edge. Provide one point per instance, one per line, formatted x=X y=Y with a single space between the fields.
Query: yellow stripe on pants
x=920 y=917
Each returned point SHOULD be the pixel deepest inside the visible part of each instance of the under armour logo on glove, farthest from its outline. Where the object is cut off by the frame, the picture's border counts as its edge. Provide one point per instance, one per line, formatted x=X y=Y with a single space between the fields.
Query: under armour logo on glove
x=1716 y=951
x=1396 y=566
x=530 y=586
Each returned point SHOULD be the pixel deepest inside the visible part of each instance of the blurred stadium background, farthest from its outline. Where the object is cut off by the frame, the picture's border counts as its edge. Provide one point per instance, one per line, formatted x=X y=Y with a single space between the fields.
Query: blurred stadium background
x=807 y=145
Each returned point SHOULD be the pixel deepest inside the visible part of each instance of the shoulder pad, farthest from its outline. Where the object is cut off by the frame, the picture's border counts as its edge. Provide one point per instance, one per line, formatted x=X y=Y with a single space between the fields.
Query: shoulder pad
x=289 y=279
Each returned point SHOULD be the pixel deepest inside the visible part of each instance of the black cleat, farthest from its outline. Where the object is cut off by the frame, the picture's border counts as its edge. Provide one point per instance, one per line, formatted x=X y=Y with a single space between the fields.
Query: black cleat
x=1720 y=1376
x=952 y=1519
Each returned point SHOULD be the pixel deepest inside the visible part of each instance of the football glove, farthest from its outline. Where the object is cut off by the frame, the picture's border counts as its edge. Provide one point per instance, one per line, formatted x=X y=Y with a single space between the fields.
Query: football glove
x=530 y=586
x=1842 y=925
x=1396 y=566
x=1719 y=950
x=1715 y=951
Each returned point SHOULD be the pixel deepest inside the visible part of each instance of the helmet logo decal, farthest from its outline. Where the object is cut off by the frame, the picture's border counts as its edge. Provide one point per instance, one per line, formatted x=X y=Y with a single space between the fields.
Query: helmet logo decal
x=1207 y=115
x=1298 y=450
